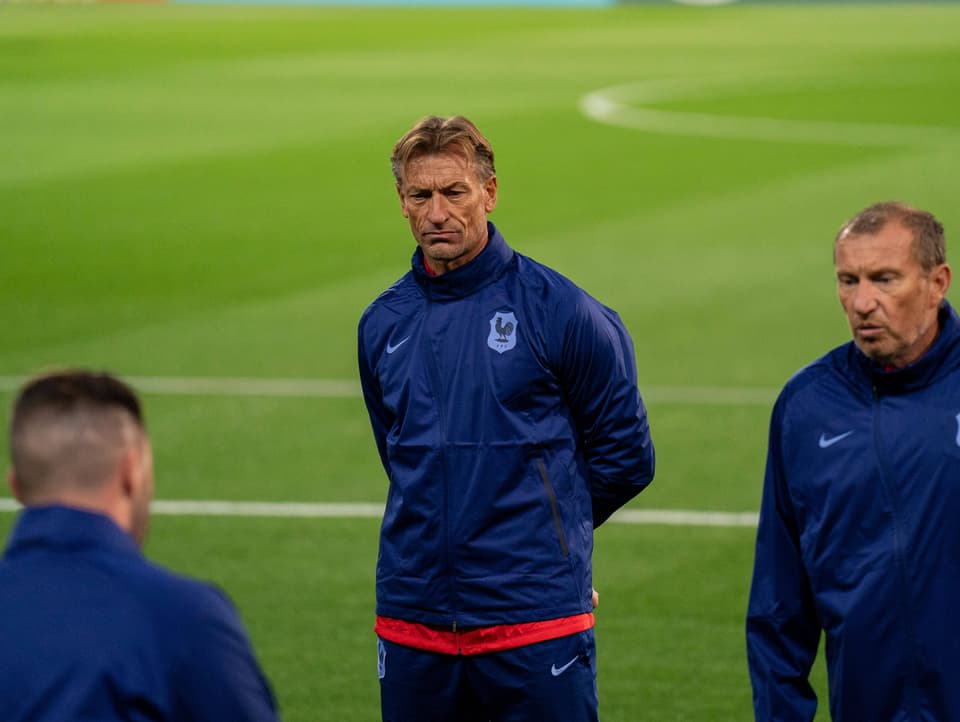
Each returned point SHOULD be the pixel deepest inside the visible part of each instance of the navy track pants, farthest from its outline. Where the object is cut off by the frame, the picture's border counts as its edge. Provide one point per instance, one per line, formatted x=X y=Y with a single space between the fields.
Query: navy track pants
x=550 y=681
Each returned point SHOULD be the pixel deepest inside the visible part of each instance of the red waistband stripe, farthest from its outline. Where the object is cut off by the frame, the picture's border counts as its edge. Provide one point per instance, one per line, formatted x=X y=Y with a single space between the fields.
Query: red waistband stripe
x=479 y=640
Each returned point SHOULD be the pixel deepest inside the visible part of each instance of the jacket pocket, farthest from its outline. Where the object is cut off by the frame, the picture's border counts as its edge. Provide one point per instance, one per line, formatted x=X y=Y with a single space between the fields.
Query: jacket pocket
x=554 y=508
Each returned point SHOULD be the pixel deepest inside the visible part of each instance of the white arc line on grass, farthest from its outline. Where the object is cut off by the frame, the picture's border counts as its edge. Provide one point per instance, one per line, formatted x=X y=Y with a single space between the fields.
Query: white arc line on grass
x=625 y=106
x=356 y=510
x=345 y=389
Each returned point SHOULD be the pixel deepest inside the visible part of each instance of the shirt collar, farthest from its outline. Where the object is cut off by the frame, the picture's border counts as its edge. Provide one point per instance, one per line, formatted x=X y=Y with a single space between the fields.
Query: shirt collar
x=483 y=270
x=66 y=529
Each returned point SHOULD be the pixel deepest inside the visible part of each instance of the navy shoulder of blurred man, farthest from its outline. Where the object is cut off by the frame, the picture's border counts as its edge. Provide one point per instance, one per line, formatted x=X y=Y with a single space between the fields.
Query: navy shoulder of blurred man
x=505 y=408
x=859 y=532
x=90 y=629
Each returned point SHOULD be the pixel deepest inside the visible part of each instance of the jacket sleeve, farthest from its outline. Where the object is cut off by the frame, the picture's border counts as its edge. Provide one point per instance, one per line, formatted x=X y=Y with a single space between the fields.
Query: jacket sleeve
x=380 y=418
x=218 y=677
x=783 y=629
x=599 y=376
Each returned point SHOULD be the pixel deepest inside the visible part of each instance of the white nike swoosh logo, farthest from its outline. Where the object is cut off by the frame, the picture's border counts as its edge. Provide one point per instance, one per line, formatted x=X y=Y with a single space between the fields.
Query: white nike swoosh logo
x=391 y=349
x=825 y=442
x=557 y=671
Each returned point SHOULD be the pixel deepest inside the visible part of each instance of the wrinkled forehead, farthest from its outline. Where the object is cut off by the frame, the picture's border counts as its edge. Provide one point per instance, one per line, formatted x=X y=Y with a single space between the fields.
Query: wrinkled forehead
x=439 y=169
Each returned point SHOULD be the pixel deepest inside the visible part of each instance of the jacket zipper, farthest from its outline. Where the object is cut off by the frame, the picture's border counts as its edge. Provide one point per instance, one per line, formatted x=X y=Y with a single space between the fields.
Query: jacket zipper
x=888 y=482
x=437 y=387
x=551 y=495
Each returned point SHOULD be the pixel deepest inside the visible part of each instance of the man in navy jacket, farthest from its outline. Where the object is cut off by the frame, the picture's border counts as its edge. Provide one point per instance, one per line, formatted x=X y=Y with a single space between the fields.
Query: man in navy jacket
x=505 y=409
x=860 y=520
x=90 y=630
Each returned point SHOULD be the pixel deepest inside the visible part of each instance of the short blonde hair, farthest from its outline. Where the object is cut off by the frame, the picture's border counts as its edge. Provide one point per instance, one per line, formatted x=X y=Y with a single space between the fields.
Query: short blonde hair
x=434 y=134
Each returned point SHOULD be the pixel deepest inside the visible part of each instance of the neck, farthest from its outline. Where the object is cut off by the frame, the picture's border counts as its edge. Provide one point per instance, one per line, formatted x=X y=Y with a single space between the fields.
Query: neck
x=114 y=509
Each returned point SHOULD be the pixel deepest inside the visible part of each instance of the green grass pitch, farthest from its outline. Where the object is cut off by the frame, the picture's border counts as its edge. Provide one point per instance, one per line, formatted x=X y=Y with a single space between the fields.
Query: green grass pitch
x=205 y=192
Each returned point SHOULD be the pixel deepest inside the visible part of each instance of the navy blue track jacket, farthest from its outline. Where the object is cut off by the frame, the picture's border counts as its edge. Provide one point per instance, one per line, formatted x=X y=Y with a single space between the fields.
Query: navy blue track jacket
x=506 y=412
x=90 y=631
x=860 y=536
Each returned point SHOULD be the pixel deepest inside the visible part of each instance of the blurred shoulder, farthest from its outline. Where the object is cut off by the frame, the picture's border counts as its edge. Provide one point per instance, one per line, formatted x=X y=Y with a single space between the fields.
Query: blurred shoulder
x=174 y=595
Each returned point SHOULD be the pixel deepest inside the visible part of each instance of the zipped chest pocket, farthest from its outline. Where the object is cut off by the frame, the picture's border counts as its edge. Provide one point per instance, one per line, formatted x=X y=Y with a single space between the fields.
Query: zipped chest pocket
x=554 y=507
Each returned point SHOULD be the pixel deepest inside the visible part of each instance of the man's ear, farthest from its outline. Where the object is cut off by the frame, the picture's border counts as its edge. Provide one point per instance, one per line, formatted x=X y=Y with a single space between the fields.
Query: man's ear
x=128 y=471
x=940 y=278
x=490 y=188
x=14 y=484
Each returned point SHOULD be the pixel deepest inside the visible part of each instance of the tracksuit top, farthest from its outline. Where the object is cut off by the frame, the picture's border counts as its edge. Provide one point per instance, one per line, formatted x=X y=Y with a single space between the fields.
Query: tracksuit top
x=505 y=409
x=90 y=631
x=860 y=536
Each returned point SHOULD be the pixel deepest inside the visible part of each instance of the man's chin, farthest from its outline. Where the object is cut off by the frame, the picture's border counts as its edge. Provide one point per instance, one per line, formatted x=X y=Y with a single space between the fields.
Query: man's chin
x=875 y=352
x=440 y=250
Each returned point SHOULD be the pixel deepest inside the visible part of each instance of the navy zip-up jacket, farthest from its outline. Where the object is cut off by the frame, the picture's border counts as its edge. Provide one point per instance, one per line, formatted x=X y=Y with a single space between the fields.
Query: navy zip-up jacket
x=92 y=631
x=505 y=409
x=860 y=536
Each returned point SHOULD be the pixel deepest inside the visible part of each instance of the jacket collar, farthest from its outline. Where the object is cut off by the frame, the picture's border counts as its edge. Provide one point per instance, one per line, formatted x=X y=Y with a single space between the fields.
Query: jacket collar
x=483 y=270
x=66 y=529
x=942 y=356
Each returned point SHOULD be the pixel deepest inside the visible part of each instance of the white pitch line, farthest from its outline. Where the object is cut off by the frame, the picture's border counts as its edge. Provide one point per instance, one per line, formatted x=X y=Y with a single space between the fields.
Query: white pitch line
x=680 y=517
x=283 y=509
x=346 y=389
x=277 y=509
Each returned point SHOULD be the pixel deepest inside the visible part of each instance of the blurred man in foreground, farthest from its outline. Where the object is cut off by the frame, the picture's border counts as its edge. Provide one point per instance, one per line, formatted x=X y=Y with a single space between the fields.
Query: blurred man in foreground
x=859 y=530
x=505 y=408
x=90 y=630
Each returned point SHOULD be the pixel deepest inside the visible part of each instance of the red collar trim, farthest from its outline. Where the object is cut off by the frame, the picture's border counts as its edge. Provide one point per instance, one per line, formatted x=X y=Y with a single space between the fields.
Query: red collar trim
x=430 y=271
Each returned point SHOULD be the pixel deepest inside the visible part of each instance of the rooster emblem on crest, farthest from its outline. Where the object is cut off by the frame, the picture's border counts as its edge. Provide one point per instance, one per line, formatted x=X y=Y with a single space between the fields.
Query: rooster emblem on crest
x=503 y=331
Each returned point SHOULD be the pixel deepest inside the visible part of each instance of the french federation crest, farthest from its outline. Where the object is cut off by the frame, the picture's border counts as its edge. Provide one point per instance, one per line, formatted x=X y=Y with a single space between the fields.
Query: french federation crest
x=503 y=332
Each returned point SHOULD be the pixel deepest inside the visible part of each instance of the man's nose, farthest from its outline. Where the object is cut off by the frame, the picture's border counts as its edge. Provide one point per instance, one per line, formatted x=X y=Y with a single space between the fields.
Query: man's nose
x=437 y=210
x=864 y=298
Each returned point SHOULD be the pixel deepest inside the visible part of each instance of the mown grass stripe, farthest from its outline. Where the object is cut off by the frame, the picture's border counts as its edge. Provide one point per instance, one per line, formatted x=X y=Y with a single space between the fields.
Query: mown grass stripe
x=344 y=388
x=226 y=386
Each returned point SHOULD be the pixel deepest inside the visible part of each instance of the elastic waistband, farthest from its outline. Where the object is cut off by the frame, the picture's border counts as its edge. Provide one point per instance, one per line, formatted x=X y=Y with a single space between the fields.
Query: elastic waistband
x=479 y=640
